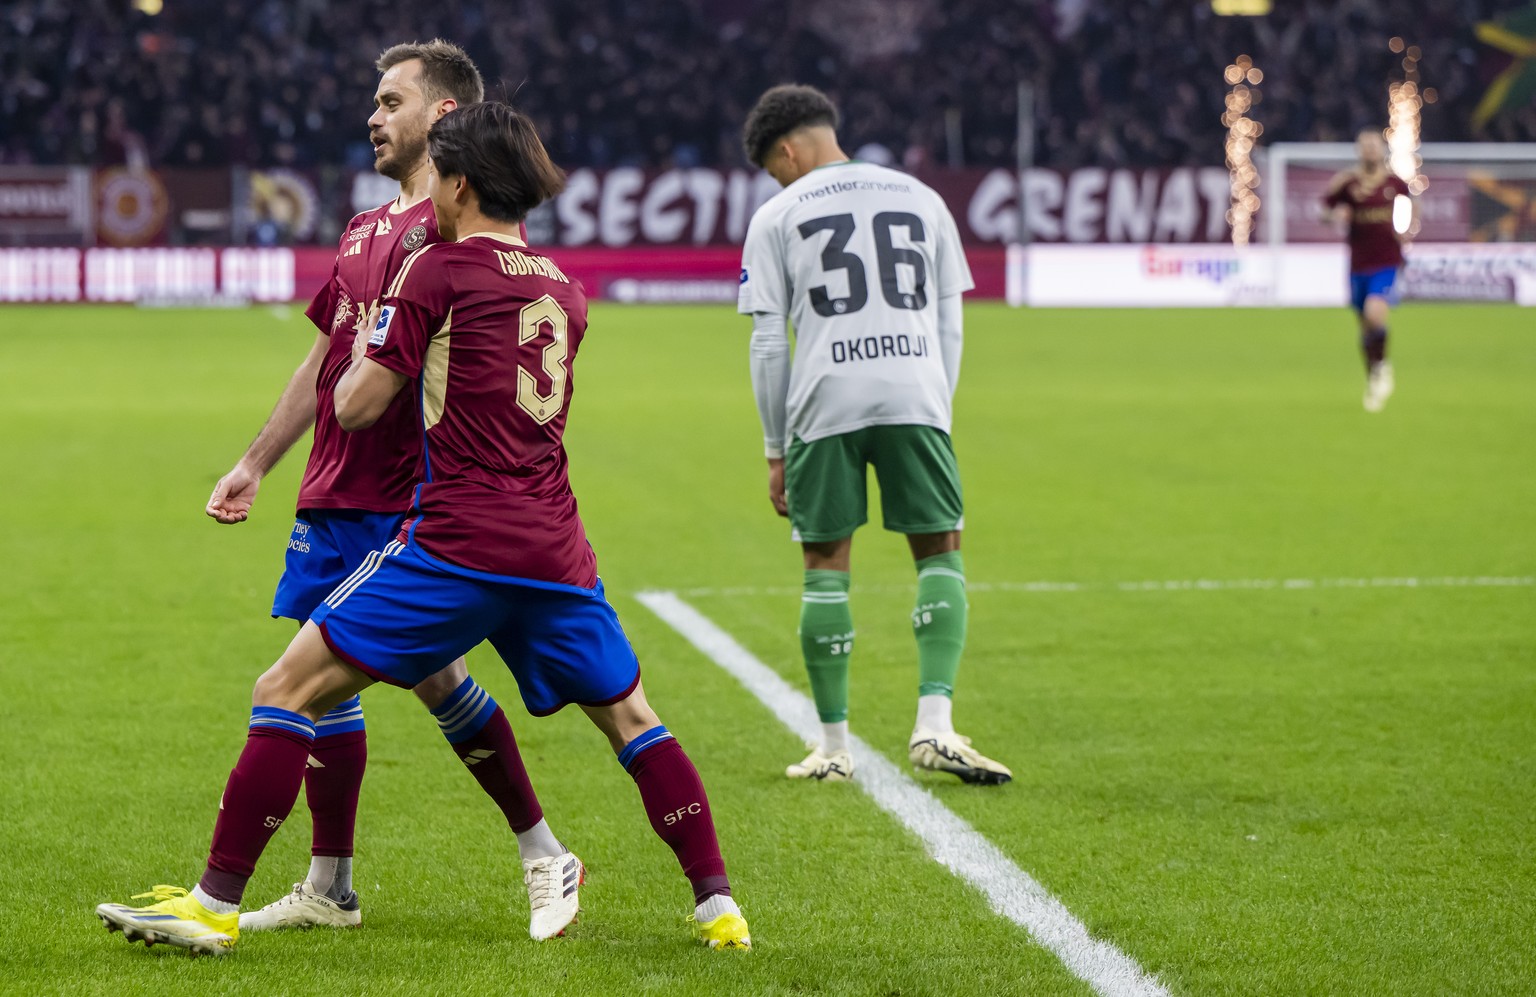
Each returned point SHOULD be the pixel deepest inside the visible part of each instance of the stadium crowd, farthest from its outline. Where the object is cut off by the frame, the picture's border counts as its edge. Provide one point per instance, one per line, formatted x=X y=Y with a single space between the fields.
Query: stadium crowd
x=285 y=82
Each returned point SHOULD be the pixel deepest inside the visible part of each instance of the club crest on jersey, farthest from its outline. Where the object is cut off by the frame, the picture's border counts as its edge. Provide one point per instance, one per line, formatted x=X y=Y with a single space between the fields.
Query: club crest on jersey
x=381 y=327
x=414 y=238
x=343 y=309
x=743 y=275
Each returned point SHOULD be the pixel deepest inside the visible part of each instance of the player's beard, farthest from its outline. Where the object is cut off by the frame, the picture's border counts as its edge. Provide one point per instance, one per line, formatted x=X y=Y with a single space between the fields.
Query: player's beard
x=405 y=152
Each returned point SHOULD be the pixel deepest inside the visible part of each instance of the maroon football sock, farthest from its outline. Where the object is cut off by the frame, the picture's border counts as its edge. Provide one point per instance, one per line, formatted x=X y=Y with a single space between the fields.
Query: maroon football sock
x=1373 y=345
x=675 y=802
x=332 y=782
x=257 y=799
x=493 y=759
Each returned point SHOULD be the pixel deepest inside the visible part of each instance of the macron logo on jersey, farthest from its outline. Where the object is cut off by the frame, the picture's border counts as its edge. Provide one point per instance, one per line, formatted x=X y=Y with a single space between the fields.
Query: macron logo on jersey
x=381 y=327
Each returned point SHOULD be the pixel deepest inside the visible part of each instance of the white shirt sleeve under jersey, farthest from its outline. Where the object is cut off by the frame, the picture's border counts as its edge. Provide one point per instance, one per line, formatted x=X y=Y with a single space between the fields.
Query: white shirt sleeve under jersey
x=770 y=378
x=951 y=338
x=764 y=285
x=954 y=276
x=764 y=294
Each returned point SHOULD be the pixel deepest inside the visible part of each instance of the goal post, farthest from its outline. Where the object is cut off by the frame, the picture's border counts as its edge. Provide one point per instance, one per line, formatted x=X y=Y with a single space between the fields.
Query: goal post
x=1476 y=239
x=1455 y=166
x=1477 y=214
x=1016 y=262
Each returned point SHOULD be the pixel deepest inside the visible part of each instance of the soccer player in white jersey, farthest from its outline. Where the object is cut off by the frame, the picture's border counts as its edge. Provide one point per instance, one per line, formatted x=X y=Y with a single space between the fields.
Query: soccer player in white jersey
x=866 y=263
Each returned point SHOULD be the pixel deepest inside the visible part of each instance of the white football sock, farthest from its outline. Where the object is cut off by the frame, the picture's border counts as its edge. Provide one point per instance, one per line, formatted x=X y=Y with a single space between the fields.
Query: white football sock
x=714 y=906
x=217 y=906
x=538 y=842
x=935 y=713
x=834 y=737
x=331 y=875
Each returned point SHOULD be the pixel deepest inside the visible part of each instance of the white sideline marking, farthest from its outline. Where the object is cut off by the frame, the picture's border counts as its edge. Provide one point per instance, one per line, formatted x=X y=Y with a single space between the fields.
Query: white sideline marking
x=951 y=841
x=1171 y=585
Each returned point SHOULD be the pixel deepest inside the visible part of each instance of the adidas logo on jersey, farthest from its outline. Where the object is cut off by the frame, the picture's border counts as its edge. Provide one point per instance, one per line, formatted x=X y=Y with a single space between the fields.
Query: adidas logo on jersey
x=355 y=250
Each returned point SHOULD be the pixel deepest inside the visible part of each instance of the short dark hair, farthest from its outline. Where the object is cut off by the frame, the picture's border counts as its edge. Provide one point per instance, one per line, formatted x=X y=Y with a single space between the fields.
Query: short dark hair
x=498 y=151
x=782 y=110
x=447 y=71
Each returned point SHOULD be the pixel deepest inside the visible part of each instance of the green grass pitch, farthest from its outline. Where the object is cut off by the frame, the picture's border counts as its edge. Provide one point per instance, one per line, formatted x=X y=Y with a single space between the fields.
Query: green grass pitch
x=1291 y=790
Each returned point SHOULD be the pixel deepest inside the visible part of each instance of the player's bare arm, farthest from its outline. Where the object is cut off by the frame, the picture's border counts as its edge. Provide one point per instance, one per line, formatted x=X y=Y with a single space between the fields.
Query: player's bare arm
x=1339 y=214
x=365 y=390
x=776 y=494
x=291 y=418
x=1339 y=179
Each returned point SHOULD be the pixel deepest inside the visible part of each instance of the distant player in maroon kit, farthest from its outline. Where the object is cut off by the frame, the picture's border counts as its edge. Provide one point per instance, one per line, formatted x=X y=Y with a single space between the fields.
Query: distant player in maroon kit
x=485 y=332
x=1365 y=198
x=355 y=490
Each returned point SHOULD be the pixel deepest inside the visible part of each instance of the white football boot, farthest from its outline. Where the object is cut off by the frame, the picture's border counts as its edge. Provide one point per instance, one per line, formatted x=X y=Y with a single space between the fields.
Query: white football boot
x=552 y=899
x=1379 y=385
x=304 y=908
x=952 y=753
x=836 y=767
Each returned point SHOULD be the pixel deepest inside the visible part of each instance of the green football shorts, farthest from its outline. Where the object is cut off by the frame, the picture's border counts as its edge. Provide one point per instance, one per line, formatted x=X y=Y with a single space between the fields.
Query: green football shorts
x=827 y=482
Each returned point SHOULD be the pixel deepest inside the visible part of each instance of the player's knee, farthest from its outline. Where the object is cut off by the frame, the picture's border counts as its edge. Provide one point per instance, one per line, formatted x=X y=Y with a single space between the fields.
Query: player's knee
x=625 y=720
x=932 y=544
x=828 y=555
x=437 y=687
x=1375 y=313
x=294 y=685
x=276 y=687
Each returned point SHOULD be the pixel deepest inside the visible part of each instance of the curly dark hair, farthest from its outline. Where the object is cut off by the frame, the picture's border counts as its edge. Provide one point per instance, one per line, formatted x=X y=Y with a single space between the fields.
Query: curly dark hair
x=780 y=111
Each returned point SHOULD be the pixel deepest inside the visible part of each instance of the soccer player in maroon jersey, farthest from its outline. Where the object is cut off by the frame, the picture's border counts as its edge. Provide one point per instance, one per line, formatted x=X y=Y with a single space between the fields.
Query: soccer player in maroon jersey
x=355 y=490
x=485 y=332
x=1365 y=199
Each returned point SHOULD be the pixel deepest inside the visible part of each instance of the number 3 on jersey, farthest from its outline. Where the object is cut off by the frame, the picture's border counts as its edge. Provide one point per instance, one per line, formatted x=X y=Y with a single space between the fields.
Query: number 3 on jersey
x=834 y=256
x=540 y=317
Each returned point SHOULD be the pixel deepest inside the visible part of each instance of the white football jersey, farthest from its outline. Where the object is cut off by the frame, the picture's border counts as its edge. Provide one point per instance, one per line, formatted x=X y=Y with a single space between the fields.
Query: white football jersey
x=857 y=256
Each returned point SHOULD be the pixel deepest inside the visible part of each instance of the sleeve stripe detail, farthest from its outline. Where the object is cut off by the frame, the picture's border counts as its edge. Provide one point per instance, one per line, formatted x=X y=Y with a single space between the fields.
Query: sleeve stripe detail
x=405 y=268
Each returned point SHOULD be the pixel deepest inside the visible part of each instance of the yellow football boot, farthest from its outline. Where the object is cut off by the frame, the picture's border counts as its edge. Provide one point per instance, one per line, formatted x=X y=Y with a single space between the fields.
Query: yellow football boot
x=728 y=931
x=176 y=918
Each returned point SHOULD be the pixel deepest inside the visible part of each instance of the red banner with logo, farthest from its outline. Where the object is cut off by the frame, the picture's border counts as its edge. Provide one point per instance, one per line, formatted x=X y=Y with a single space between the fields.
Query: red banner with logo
x=238 y=274
x=43 y=205
x=626 y=207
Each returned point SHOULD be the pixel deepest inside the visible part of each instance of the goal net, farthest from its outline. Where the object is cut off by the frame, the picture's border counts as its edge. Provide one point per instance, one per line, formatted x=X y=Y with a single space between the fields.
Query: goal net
x=1477 y=213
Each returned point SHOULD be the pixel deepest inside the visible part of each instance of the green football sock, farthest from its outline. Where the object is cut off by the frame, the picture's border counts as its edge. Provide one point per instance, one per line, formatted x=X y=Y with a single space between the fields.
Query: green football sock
x=939 y=622
x=826 y=638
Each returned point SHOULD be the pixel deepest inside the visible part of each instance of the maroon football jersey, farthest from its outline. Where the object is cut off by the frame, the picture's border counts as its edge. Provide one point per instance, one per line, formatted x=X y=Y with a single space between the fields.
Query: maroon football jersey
x=1373 y=243
x=375 y=469
x=489 y=329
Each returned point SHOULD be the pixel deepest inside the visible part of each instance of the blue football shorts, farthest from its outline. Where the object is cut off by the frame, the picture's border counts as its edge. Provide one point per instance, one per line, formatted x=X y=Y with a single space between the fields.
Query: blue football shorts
x=404 y=614
x=1381 y=283
x=325 y=547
